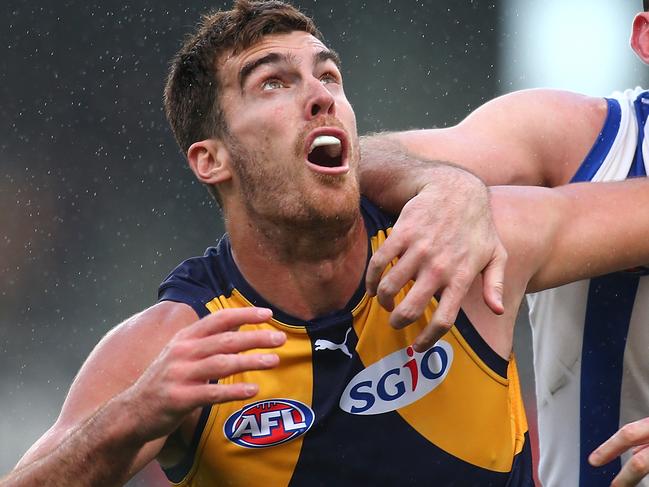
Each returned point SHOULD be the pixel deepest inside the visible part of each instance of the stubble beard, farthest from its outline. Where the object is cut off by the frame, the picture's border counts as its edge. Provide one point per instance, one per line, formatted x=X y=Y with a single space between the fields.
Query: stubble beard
x=300 y=224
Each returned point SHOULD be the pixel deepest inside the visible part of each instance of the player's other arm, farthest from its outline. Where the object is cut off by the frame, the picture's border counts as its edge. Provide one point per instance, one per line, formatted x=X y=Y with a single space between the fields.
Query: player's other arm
x=139 y=384
x=444 y=235
x=531 y=137
x=555 y=236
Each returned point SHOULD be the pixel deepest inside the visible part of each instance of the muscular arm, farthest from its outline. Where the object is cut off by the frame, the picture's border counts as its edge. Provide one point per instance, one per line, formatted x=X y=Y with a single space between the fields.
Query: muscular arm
x=102 y=450
x=564 y=234
x=444 y=236
x=139 y=384
x=532 y=137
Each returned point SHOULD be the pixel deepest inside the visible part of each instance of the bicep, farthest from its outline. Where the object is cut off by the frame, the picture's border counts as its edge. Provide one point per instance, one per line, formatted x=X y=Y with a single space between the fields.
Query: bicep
x=532 y=137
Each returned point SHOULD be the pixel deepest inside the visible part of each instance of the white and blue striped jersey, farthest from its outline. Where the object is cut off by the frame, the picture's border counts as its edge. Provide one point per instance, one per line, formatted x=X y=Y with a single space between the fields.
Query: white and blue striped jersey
x=591 y=338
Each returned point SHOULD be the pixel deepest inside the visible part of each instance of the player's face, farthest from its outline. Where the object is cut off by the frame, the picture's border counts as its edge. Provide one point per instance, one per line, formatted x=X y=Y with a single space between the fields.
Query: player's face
x=291 y=131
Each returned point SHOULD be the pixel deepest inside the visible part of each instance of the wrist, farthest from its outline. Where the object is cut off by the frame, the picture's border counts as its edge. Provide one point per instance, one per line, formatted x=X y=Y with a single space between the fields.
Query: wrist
x=119 y=420
x=441 y=176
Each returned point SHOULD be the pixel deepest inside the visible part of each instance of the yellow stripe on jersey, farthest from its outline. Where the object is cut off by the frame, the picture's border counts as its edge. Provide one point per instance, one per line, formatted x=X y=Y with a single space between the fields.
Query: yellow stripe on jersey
x=469 y=415
x=219 y=458
x=519 y=420
x=465 y=416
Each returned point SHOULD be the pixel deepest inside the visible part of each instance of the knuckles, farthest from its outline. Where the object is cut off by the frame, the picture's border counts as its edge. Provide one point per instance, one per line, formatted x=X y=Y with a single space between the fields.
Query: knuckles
x=228 y=340
x=407 y=313
x=386 y=288
x=631 y=433
x=639 y=464
x=178 y=349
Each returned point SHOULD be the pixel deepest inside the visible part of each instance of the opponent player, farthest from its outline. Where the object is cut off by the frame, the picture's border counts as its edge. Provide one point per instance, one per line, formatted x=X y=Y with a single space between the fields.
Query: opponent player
x=348 y=401
x=590 y=338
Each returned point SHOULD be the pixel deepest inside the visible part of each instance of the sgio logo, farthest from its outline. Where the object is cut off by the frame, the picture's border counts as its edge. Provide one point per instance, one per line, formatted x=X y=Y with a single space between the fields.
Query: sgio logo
x=397 y=380
x=268 y=423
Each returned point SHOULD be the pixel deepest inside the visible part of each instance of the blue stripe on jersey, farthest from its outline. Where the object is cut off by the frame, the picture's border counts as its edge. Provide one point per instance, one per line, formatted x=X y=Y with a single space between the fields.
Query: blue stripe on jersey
x=602 y=145
x=641 y=111
x=182 y=469
x=487 y=354
x=406 y=462
x=608 y=313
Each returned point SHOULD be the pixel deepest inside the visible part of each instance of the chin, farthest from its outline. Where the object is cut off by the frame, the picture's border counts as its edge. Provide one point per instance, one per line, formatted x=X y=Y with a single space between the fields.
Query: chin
x=337 y=210
x=325 y=209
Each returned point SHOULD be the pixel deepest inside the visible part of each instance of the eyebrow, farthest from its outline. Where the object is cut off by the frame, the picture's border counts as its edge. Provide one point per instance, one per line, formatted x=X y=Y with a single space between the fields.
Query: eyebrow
x=328 y=55
x=275 y=57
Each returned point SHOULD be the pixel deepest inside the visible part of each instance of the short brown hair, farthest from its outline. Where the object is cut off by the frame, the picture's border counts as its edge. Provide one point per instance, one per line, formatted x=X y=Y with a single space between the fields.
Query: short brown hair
x=191 y=94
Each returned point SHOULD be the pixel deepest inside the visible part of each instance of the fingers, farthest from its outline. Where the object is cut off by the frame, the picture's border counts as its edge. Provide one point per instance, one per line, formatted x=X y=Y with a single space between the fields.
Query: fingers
x=227 y=319
x=390 y=249
x=413 y=305
x=442 y=320
x=630 y=435
x=408 y=267
x=493 y=279
x=231 y=342
x=220 y=366
x=211 y=393
x=218 y=355
x=634 y=470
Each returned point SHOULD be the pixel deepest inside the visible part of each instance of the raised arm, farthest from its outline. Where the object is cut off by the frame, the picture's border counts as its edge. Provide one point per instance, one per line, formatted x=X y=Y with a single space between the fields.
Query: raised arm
x=140 y=383
x=531 y=137
x=444 y=236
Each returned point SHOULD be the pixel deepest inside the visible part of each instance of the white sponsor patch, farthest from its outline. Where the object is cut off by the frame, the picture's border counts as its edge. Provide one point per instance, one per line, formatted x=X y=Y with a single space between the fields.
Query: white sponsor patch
x=397 y=380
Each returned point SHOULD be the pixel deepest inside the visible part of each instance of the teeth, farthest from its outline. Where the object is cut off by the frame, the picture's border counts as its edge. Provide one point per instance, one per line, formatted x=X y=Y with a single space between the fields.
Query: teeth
x=334 y=146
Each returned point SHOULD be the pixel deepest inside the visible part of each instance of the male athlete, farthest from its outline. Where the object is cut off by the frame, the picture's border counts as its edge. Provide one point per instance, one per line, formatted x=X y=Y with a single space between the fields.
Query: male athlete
x=590 y=338
x=265 y=361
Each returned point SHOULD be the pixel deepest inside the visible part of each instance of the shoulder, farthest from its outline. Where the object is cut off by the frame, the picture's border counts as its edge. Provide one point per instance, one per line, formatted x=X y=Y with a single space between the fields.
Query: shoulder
x=198 y=280
x=125 y=352
x=553 y=129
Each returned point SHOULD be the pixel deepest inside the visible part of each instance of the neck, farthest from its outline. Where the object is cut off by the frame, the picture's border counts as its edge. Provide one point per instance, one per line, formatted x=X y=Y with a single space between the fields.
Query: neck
x=305 y=270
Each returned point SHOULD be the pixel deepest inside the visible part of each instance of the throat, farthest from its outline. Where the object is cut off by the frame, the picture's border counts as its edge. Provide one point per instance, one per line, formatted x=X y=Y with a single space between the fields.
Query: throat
x=307 y=277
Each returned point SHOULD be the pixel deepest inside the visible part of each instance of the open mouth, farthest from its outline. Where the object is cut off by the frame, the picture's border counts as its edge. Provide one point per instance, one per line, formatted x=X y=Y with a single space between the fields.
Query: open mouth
x=326 y=151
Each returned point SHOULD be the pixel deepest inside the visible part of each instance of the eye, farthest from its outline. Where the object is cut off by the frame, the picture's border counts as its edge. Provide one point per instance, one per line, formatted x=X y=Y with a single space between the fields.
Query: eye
x=328 y=78
x=272 y=84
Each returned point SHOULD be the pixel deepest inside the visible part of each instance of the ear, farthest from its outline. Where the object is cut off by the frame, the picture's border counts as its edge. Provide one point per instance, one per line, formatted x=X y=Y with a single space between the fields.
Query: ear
x=210 y=161
x=640 y=36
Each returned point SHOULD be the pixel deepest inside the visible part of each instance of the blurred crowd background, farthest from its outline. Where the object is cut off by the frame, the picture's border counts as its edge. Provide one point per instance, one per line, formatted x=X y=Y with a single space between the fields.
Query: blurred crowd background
x=97 y=204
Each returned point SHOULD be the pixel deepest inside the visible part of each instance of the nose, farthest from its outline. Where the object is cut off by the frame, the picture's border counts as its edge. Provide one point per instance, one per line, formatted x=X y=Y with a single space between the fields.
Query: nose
x=320 y=101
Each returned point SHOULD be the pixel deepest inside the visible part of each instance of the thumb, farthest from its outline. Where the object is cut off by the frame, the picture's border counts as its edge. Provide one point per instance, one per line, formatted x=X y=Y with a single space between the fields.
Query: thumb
x=493 y=279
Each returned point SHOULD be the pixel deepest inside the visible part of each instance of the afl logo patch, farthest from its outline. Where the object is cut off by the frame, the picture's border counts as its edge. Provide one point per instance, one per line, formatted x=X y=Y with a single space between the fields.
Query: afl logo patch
x=268 y=423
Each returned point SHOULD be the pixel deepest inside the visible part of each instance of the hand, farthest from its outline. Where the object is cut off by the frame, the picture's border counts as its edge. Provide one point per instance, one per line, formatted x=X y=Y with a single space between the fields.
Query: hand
x=177 y=381
x=443 y=240
x=633 y=436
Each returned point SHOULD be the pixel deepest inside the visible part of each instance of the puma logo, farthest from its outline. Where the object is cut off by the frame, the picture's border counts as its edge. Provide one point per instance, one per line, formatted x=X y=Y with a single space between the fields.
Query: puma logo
x=323 y=344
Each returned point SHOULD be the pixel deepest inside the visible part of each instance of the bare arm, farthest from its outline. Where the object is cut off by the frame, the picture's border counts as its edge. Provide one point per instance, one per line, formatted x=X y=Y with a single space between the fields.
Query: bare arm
x=560 y=235
x=532 y=137
x=444 y=235
x=453 y=234
x=139 y=384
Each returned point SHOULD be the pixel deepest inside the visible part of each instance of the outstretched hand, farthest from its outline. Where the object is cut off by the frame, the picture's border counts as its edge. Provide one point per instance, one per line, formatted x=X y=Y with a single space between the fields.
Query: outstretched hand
x=443 y=241
x=178 y=380
x=635 y=437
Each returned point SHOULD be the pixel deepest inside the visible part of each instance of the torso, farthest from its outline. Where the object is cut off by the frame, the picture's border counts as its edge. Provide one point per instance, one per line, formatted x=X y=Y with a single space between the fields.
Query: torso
x=351 y=403
x=590 y=337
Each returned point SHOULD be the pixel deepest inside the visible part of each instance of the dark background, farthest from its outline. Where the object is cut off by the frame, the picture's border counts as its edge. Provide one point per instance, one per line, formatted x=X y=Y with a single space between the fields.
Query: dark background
x=96 y=202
